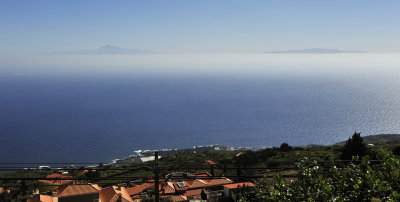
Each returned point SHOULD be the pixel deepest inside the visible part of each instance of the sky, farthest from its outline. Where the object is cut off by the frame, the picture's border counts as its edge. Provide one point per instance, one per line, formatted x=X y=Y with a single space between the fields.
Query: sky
x=206 y=26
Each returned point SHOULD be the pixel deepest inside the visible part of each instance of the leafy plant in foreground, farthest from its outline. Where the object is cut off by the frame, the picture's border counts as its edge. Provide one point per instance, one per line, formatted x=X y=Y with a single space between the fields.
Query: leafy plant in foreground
x=357 y=181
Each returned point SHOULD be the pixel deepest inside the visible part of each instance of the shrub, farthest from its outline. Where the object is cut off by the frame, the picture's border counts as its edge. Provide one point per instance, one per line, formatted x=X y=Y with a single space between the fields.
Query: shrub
x=354 y=146
x=358 y=181
x=396 y=150
x=285 y=147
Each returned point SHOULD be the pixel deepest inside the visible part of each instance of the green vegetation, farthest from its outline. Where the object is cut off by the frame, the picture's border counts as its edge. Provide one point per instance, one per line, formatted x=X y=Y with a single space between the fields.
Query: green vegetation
x=379 y=139
x=20 y=189
x=181 y=162
x=357 y=181
x=355 y=146
x=285 y=147
x=290 y=173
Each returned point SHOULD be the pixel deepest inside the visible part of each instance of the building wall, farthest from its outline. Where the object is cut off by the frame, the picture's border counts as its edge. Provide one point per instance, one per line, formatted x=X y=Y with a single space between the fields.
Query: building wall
x=226 y=192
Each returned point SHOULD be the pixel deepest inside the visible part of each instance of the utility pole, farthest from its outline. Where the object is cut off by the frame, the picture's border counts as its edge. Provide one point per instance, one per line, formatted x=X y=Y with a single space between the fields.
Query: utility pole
x=225 y=169
x=156 y=186
x=239 y=170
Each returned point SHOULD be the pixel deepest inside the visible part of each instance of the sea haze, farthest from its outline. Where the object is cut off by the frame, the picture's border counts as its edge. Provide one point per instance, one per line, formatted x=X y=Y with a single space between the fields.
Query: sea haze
x=80 y=110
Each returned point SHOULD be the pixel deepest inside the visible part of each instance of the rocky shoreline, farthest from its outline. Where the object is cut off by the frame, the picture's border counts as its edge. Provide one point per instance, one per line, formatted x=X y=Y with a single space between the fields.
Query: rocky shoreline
x=148 y=155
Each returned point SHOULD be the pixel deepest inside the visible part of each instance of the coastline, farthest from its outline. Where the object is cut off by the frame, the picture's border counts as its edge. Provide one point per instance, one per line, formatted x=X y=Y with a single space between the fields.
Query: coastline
x=148 y=155
x=141 y=156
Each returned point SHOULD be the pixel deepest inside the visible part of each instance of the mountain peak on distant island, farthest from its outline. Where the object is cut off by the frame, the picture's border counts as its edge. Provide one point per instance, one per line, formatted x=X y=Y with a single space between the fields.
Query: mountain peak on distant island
x=106 y=50
x=316 y=50
x=109 y=47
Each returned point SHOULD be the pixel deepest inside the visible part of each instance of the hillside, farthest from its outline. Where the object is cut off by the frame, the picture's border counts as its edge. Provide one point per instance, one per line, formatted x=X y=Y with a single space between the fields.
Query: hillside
x=378 y=139
x=316 y=51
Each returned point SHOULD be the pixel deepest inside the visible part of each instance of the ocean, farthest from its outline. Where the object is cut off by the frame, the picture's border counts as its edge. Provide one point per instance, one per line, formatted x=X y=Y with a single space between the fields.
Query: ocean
x=86 y=118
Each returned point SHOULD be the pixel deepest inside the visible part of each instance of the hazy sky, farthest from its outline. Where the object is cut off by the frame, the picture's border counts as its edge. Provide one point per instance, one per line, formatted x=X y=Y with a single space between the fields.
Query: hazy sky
x=206 y=26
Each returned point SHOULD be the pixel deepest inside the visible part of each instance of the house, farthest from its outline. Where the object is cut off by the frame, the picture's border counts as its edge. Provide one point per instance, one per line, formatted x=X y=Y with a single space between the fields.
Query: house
x=137 y=190
x=75 y=193
x=79 y=193
x=115 y=194
x=43 y=198
x=183 y=187
x=195 y=187
x=168 y=188
x=4 y=191
x=195 y=194
x=53 y=181
x=228 y=188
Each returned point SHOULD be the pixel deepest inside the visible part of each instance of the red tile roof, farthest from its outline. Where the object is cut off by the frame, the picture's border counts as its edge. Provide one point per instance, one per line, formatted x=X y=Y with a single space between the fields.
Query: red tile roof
x=202 y=175
x=179 y=189
x=178 y=198
x=112 y=194
x=193 y=192
x=78 y=189
x=108 y=194
x=189 y=182
x=221 y=181
x=196 y=183
x=210 y=162
x=125 y=195
x=153 y=180
x=87 y=171
x=40 y=198
x=242 y=184
x=206 y=181
x=138 y=188
x=96 y=186
x=61 y=179
x=168 y=188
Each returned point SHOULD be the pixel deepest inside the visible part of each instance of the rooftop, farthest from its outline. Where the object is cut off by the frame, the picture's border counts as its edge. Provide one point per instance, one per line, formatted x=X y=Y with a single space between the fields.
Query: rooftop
x=114 y=194
x=78 y=189
x=61 y=179
x=236 y=185
x=138 y=188
x=40 y=198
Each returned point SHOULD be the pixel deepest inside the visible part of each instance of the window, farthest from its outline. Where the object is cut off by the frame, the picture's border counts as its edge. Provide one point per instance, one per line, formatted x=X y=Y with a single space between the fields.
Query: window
x=181 y=184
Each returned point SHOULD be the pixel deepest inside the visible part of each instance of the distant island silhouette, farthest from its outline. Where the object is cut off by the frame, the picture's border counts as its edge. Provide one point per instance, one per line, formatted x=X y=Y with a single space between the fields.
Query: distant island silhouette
x=106 y=50
x=315 y=50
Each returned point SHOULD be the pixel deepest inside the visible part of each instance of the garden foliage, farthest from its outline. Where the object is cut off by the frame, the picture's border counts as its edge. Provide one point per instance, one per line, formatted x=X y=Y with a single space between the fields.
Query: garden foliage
x=357 y=181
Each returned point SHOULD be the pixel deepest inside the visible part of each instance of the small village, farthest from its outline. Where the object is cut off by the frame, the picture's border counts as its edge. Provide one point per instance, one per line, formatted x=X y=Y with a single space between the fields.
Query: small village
x=79 y=184
x=179 y=187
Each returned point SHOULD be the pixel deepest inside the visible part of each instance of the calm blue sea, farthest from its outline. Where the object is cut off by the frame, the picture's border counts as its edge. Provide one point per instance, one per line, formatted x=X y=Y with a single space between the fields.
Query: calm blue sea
x=97 y=119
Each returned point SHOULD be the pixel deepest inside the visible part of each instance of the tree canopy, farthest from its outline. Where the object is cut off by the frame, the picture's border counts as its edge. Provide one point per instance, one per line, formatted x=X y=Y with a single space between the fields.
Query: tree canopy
x=354 y=146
